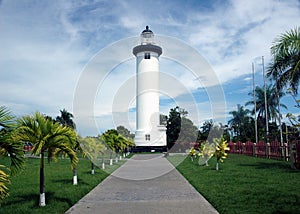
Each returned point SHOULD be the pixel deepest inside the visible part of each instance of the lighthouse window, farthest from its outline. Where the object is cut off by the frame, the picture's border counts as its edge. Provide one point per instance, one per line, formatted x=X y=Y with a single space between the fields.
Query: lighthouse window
x=147 y=137
x=147 y=56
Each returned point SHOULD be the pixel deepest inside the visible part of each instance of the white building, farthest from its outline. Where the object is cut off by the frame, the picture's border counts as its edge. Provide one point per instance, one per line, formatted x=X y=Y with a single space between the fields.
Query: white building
x=149 y=132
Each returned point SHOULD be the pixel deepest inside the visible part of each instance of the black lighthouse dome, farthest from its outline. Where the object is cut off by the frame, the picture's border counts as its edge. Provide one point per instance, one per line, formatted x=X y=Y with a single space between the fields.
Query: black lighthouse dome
x=147 y=30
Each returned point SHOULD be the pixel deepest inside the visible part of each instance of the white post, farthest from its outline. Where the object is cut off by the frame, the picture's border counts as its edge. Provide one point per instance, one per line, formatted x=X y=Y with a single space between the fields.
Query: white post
x=75 y=180
x=42 y=200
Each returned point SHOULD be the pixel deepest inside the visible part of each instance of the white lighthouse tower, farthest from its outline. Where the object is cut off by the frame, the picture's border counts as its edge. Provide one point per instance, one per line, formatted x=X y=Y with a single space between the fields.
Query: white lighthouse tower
x=149 y=131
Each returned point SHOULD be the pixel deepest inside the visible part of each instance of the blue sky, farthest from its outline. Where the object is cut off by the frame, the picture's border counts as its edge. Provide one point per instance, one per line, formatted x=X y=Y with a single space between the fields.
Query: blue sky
x=47 y=45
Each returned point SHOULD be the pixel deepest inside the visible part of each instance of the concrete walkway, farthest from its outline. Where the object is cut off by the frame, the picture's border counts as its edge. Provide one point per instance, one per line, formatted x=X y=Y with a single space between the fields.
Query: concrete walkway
x=144 y=184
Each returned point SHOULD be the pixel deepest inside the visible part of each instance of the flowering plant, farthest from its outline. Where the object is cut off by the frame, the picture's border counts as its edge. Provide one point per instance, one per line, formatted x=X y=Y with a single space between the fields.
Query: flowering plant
x=221 y=146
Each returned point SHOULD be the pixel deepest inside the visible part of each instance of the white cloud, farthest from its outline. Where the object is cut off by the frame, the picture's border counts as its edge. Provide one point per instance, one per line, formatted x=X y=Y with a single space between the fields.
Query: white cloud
x=46 y=45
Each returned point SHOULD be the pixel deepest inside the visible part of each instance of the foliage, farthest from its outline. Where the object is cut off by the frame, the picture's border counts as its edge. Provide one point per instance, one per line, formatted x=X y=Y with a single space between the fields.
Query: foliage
x=221 y=146
x=4 y=182
x=294 y=120
x=115 y=141
x=193 y=153
x=205 y=130
x=66 y=118
x=93 y=148
x=180 y=129
x=173 y=126
x=242 y=124
x=8 y=144
x=206 y=151
x=8 y=147
x=218 y=148
x=188 y=131
x=46 y=135
x=125 y=132
x=285 y=68
x=272 y=103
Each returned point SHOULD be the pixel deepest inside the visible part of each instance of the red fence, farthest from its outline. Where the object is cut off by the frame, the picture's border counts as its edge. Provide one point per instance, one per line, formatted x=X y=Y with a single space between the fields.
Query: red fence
x=272 y=150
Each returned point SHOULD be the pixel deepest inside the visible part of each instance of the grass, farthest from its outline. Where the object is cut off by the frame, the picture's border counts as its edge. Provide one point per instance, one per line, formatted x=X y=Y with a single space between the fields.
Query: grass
x=60 y=192
x=245 y=184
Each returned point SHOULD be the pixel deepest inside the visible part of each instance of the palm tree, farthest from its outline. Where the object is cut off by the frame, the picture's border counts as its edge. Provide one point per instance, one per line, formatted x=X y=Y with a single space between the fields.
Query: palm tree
x=46 y=135
x=240 y=119
x=8 y=147
x=272 y=101
x=285 y=69
x=93 y=148
x=109 y=138
x=66 y=118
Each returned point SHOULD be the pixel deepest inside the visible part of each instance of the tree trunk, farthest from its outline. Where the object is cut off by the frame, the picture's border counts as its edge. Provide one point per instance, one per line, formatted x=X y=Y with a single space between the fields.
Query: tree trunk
x=75 y=176
x=110 y=160
x=103 y=163
x=117 y=154
x=42 y=202
x=217 y=165
x=93 y=169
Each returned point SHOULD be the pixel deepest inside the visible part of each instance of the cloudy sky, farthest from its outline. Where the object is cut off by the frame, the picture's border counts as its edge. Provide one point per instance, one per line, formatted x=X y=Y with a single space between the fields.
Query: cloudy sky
x=59 y=54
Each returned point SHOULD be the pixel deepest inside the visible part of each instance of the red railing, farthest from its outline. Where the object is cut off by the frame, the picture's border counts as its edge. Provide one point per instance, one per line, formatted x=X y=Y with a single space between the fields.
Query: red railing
x=272 y=150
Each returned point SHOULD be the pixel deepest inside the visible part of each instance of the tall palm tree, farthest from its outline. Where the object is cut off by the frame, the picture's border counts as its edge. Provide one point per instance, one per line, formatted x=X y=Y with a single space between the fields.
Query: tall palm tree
x=46 y=135
x=240 y=119
x=285 y=69
x=272 y=101
x=8 y=147
x=66 y=118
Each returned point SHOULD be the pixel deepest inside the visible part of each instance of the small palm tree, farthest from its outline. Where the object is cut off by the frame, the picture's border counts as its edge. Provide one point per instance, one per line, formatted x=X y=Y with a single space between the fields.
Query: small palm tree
x=46 y=136
x=8 y=147
x=285 y=69
x=110 y=139
x=93 y=148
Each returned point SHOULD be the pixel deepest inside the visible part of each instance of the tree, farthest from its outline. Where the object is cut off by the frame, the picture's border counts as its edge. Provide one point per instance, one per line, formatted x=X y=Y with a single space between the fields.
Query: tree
x=188 y=132
x=205 y=130
x=93 y=149
x=125 y=132
x=110 y=139
x=173 y=126
x=272 y=103
x=8 y=147
x=208 y=131
x=46 y=135
x=285 y=68
x=66 y=118
x=240 y=122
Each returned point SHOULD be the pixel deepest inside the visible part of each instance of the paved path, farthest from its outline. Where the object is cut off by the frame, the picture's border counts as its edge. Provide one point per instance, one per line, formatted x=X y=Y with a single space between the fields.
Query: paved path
x=144 y=184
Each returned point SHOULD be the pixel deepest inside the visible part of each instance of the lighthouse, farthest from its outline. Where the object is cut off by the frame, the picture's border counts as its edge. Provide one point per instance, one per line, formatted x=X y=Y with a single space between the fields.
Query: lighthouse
x=149 y=132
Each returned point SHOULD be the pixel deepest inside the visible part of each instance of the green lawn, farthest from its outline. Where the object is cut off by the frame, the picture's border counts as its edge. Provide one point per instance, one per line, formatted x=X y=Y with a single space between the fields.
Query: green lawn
x=60 y=192
x=245 y=184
